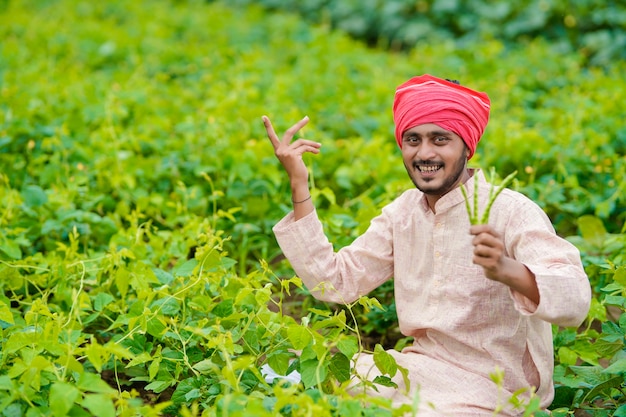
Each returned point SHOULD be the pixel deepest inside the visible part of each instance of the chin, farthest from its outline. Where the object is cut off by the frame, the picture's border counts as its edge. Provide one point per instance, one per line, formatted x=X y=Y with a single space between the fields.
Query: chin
x=433 y=191
x=430 y=188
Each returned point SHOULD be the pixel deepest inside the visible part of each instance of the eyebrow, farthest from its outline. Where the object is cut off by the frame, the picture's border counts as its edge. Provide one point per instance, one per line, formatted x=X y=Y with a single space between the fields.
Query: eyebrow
x=428 y=134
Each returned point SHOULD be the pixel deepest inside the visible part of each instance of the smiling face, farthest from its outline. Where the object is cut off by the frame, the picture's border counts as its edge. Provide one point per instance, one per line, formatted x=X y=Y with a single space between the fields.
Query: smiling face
x=435 y=158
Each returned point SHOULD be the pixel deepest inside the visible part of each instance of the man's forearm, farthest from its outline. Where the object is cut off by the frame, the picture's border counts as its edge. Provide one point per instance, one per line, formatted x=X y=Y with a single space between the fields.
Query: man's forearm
x=301 y=199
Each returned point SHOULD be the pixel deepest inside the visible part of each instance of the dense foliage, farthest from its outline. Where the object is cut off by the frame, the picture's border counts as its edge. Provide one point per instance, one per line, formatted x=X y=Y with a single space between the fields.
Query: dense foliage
x=597 y=30
x=138 y=191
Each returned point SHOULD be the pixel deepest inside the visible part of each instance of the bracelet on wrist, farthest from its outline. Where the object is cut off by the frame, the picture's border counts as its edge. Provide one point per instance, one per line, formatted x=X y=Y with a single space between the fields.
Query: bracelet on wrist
x=301 y=201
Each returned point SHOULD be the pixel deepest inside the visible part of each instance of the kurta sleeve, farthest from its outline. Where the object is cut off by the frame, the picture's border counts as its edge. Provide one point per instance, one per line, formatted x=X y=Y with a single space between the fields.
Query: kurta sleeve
x=564 y=288
x=341 y=276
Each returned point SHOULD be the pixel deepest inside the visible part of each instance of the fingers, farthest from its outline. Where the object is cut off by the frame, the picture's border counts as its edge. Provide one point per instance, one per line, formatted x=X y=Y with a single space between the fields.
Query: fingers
x=305 y=145
x=487 y=239
x=483 y=228
x=270 y=131
x=485 y=251
x=292 y=154
x=488 y=250
x=289 y=133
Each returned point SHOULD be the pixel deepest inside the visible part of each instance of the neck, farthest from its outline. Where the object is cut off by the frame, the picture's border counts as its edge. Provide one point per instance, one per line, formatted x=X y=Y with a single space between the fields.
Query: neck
x=432 y=199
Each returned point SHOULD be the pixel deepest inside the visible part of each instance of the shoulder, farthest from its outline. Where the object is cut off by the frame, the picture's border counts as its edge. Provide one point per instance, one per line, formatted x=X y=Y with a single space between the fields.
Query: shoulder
x=408 y=198
x=517 y=199
x=402 y=209
x=517 y=208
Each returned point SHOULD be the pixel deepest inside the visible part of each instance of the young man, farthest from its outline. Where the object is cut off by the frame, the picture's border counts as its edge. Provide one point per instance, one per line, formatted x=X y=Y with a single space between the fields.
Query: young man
x=475 y=298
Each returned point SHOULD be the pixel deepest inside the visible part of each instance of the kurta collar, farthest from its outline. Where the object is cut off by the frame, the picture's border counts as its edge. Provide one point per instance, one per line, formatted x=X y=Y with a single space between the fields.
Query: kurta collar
x=455 y=196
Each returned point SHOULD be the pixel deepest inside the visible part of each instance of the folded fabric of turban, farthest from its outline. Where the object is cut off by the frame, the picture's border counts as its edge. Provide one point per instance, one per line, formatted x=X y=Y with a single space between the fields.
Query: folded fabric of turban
x=428 y=99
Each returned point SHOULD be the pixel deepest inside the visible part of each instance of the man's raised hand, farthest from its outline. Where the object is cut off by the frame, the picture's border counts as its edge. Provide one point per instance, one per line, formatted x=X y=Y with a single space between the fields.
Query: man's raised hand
x=290 y=153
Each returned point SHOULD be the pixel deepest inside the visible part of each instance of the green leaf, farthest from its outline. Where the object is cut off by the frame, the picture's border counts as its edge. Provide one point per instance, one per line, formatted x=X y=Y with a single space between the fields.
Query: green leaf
x=142 y=357
x=350 y=408
x=205 y=366
x=100 y=405
x=308 y=353
x=168 y=306
x=384 y=361
x=313 y=372
x=615 y=300
x=12 y=410
x=122 y=281
x=567 y=356
x=164 y=277
x=154 y=367
x=155 y=326
x=620 y=275
x=193 y=394
x=620 y=412
x=405 y=376
x=370 y=302
x=328 y=193
x=594 y=375
x=323 y=313
x=62 y=398
x=349 y=346
x=561 y=412
x=591 y=227
x=158 y=386
x=617 y=367
x=5 y=313
x=385 y=381
x=188 y=385
x=224 y=309
x=299 y=336
x=603 y=387
x=18 y=340
x=34 y=196
x=227 y=263
x=96 y=354
x=89 y=382
x=101 y=300
x=279 y=362
x=6 y=383
x=597 y=311
x=10 y=249
x=340 y=367
x=186 y=268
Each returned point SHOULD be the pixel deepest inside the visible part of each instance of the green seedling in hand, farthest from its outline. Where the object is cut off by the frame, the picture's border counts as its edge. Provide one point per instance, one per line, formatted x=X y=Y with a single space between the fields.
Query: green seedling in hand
x=474 y=216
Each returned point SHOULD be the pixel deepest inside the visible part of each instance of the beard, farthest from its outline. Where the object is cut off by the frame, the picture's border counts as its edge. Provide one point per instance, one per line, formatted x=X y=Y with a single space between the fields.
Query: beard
x=433 y=186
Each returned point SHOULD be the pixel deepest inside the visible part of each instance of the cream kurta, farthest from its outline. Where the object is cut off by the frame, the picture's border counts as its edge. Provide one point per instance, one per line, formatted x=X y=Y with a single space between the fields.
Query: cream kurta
x=464 y=324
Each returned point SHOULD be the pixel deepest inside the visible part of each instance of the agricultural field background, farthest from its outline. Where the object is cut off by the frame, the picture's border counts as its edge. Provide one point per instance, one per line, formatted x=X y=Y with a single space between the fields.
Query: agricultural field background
x=139 y=273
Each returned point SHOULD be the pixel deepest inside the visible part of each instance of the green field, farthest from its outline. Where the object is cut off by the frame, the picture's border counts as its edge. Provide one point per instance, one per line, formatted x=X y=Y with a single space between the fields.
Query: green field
x=139 y=273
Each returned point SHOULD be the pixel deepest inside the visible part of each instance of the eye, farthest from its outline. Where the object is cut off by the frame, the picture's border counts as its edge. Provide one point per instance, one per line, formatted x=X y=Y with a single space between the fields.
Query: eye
x=411 y=139
x=441 y=139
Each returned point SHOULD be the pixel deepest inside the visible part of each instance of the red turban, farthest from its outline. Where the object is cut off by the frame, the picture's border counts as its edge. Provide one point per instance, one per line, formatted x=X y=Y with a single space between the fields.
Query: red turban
x=428 y=99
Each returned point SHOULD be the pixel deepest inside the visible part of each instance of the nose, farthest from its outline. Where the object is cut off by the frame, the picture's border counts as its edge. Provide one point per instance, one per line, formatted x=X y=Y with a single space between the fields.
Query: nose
x=425 y=151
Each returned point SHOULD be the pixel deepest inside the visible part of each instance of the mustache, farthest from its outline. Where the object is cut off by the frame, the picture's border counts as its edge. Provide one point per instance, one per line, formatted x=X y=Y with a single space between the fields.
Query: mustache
x=422 y=162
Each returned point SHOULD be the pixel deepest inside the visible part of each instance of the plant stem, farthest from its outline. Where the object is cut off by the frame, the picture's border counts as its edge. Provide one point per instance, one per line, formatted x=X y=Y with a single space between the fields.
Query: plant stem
x=474 y=216
x=493 y=196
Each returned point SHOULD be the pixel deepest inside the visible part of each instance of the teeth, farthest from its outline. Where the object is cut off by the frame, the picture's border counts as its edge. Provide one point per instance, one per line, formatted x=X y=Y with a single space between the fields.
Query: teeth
x=429 y=168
